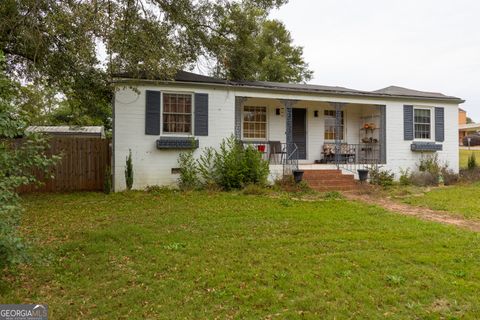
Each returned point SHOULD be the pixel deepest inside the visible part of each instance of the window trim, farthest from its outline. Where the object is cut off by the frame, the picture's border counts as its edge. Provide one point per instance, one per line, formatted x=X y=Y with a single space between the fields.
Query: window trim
x=267 y=127
x=344 y=125
x=179 y=134
x=432 y=124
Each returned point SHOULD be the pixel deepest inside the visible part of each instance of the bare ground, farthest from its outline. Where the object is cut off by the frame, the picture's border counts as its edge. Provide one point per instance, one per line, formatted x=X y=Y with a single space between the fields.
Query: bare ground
x=421 y=213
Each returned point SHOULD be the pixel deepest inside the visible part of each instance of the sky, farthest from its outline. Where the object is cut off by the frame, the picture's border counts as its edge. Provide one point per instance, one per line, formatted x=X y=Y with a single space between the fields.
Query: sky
x=371 y=44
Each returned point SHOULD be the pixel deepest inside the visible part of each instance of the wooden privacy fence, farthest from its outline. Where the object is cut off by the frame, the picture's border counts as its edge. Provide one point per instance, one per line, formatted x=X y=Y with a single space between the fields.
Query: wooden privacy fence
x=81 y=168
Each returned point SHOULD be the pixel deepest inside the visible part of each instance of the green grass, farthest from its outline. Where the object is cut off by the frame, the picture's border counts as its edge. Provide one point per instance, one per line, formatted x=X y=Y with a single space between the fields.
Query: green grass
x=460 y=200
x=464 y=157
x=226 y=255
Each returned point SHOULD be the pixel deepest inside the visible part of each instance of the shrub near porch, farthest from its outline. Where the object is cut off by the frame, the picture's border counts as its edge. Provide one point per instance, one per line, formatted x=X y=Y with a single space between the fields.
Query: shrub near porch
x=191 y=255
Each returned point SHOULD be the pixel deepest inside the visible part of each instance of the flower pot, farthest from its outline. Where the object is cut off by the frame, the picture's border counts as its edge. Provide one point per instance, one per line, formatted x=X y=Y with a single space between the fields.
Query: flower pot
x=297 y=175
x=362 y=175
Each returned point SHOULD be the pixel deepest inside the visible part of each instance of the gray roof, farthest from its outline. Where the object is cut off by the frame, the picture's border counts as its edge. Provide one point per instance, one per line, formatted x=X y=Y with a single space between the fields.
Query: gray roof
x=69 y=130
x=392 y=91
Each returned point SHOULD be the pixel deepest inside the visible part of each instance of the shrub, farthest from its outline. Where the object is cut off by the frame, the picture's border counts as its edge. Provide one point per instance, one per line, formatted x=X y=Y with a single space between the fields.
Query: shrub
x=256 y=169
x=405 y=177
x=430 y=164
x=472 y=161
x=206 y=168
x=230 y=164
x=188 y=171
x=471 y=175
x=380 y=177
x=107 y=181
x=449 y=177
x=129 y=171
x=423 y=179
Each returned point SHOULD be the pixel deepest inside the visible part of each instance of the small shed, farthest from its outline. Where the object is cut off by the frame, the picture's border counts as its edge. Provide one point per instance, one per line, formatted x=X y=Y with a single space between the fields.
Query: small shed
x=73 y=131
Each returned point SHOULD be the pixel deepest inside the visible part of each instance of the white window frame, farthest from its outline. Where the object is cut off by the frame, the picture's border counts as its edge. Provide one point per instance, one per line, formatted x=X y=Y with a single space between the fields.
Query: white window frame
x=432 y=124
x=267 y=113
x=344 y=125
x=181 y=134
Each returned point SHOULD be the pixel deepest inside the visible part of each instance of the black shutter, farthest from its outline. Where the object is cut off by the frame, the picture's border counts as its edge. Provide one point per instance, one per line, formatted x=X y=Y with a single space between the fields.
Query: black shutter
x=152 y=112
x=439 y=124
x=201 y=114
x=407 y=122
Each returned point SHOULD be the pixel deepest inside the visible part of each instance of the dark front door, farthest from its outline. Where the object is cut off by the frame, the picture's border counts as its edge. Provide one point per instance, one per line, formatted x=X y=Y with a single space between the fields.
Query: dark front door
x=299 y=128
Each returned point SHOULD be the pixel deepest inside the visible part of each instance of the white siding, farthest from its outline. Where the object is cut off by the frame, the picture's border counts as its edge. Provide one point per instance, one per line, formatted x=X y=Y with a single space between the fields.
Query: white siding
x=153 y=167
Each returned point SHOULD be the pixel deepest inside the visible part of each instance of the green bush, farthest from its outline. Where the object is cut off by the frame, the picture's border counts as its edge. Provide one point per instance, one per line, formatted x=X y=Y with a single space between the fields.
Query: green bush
x=232 y=166
x=449 y=177
x=380 y=177
x=206 y=168
x=472 y=161
x=430 y=164
x=129 y=170
x=405 y=177
x=188 y=171
x=107 y=181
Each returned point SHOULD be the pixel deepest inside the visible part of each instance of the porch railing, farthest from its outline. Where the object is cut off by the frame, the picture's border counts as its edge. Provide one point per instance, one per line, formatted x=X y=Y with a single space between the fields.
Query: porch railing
x=356 y=156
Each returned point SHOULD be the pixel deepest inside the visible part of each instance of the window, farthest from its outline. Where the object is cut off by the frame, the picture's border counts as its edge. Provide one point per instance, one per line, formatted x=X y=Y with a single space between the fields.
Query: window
x=177 y=113
x=329 y=116
x=255 y=122
x=422 y=123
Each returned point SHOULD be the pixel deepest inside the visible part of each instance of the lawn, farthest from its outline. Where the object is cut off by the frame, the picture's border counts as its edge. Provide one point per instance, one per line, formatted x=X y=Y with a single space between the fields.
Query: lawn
x=460 y=200
x=464 y=153
x=226 y=255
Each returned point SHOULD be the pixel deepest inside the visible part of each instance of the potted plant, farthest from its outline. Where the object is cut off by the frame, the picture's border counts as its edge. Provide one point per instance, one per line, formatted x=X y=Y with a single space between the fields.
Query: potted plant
x=362 y=175
x=298 y=175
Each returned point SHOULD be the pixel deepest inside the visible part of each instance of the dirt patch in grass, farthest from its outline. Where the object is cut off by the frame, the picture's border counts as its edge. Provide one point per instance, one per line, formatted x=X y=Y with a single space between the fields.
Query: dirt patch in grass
x=419 y=212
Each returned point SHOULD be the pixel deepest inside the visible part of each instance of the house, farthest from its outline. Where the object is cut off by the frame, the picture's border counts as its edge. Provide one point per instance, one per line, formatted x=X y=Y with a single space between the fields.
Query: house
x=314 y=127
x=70 y=131
x=465 y=128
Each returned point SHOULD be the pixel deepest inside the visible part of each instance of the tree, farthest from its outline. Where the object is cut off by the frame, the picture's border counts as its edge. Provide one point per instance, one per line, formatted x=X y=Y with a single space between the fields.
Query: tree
x=18 y=158
x=469 y=120
x=248 y=46
x=75 y=47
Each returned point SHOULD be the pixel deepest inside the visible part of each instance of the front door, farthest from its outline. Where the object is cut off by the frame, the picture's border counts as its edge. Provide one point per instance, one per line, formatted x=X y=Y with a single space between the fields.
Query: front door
x=299 y=129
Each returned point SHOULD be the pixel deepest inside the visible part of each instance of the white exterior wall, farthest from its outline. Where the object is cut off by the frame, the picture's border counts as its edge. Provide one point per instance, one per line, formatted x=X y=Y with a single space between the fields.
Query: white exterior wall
x=153 y=167
x=399 y=155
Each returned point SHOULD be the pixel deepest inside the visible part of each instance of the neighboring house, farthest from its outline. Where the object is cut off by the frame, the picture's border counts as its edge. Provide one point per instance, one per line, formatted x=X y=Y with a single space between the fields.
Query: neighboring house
x=70 y=131
x=324 y=127
x=465 y=128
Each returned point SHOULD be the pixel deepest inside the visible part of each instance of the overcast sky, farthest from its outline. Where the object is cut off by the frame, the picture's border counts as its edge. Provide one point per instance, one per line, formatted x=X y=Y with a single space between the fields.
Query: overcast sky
x=430 y=45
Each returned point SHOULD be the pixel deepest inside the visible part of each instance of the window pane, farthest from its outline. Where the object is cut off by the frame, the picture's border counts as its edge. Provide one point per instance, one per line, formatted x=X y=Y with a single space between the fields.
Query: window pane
x=422 y=118
x=255 y=122
x=177 y=113
x=330 y=124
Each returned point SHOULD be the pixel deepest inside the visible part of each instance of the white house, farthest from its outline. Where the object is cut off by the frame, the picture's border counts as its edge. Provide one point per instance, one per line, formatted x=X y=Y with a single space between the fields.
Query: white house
x=323 y=127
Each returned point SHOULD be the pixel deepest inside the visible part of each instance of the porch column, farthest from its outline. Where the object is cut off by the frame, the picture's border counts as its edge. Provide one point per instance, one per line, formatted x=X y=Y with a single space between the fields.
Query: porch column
x=383 y=134
x=239 y=101
x=338 y=122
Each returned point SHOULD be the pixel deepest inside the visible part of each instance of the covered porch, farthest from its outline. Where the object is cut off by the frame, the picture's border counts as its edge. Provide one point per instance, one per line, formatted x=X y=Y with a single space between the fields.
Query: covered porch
x=312 y=132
